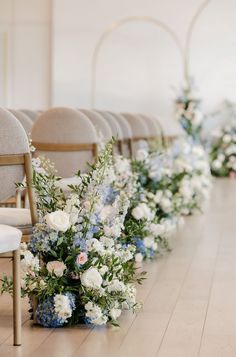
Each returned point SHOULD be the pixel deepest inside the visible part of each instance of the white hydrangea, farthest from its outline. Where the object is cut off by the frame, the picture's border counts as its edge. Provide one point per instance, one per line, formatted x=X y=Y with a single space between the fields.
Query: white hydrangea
x=62 y=306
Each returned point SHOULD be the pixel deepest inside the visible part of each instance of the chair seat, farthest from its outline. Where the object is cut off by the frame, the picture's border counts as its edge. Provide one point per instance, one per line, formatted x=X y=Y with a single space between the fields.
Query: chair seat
x=17 y=217
x=10 y=238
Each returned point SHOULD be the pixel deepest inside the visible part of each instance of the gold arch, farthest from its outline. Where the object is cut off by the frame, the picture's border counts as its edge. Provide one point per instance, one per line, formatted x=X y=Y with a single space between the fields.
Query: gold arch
x=114 y=27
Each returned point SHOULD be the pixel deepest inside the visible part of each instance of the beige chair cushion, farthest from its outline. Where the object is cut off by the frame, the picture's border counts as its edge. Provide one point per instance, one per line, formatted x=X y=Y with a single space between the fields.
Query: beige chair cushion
x=99 y=123
x=9 y=239
x=124 y=125
x=13 y=140
x=33 y=115
x=65 y=126
x=137 y=124
x=114 y=125
x=25 y=121
x=153 y=129
x=139 y=130
x=16 y=217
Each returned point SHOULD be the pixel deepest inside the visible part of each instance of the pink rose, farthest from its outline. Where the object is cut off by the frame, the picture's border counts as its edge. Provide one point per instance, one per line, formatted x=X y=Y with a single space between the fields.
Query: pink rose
x=81 y=258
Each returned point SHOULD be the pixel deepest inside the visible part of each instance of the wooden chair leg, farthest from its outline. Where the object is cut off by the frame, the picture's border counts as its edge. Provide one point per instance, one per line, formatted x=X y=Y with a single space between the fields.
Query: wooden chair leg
x=16 y=298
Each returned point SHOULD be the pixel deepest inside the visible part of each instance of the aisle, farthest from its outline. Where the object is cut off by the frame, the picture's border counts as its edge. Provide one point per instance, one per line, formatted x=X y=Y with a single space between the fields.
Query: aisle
x=189 y=300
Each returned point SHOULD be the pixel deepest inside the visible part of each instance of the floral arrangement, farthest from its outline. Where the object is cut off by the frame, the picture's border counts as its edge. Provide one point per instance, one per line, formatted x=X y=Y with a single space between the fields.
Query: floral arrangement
x=171 y=184
x=80 y=264
x=223 y=151
x=188 y=112
x=75 y=266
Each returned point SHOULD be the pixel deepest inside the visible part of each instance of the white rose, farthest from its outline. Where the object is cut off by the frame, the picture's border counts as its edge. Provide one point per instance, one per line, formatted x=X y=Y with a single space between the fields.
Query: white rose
x=58 y=220
x=138 y=258
x=56 y=267
x=91 y=278
x=115 y=313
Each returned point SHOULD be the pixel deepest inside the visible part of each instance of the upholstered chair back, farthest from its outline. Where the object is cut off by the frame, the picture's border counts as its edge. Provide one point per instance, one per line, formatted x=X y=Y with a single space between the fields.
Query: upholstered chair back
x=25 y=121
x=67 y=137
x=140 y=131
x=127 y=134
x=13 y=141
x=156 y=139
x=32 y=114
x=102 y=128
x=115 y=128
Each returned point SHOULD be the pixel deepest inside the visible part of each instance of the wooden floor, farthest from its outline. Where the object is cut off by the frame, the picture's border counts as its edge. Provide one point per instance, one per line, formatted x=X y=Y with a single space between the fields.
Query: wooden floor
x=189 y=300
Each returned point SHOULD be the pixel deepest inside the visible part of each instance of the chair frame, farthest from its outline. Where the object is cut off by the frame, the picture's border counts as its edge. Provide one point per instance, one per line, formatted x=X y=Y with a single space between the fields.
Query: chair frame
x=61 y=147
x=128 y=142
x=25 y=161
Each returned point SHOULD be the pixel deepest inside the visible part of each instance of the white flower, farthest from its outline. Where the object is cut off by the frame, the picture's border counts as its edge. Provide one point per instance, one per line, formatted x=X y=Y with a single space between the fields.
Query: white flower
x=227 y=138
x=115 y=313
x=216 y=164
x=103 y=270
x=158 y=196
x=58 y=220
x=29 y=263
x=185 y=191
x=56 y=267
x=148 y=242
x=113 y=231
x=107 y=242
x=94 y=314
x=106 y=212
x=62 y=306
x=137 y=213
x=116 y=286
x=141 y=155
x=138 y=258
x=94 y=244
x=142 y=211
x=91 y=278
x=166 y=204
x=156 y=229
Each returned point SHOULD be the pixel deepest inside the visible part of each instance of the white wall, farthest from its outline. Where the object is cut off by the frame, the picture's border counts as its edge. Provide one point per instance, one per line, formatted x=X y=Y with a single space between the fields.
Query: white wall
x=27 y=24
x=139 y=65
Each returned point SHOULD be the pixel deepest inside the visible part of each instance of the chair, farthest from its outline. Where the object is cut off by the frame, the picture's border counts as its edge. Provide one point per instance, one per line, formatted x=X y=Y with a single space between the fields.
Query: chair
x=115 y=128
x=15 y=164
x=139 y=130
x=100 y=124
x=126 y=147
x=156 y=138
x=32 y=114
x=10 y=242
x=67 y=137
x=25 y=121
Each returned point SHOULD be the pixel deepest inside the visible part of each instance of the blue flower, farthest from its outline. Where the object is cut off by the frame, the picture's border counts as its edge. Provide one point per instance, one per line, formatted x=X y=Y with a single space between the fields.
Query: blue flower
x=46 y=315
